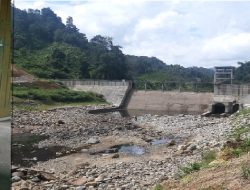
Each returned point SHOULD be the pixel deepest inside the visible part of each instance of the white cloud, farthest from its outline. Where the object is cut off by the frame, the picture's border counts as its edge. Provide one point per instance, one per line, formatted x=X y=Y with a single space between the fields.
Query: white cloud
x=227 y=47
x=178 y=32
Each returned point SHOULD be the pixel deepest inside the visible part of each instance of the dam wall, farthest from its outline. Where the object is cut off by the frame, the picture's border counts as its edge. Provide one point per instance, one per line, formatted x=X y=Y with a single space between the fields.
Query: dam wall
x=113 y=91
x=236 y=90
x=184 y=102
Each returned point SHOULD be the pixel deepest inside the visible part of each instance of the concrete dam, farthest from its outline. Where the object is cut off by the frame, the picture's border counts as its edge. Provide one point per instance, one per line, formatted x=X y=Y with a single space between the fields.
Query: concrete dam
x=121 y=94
x=170 y=101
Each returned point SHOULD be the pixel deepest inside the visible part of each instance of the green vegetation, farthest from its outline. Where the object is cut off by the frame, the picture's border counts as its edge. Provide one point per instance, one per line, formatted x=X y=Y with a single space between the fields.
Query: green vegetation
x=158 y=187
x=47 y=48
x=207 y=158
x=55 y=95
x=239 y=142
x=42 y=95
x=242 y=73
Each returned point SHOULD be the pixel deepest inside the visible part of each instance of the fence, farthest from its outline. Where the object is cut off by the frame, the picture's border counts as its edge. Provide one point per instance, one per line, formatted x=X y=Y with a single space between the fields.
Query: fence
x=173 y=86
x=71 y=83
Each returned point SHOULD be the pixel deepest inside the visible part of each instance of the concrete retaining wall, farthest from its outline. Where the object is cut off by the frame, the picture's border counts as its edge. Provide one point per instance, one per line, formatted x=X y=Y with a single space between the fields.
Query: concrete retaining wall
x=113 y=91
x=185 y=102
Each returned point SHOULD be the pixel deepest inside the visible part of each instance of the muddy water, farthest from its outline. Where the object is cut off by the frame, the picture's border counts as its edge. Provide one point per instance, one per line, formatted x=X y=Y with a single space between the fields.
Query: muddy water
x=26 y=153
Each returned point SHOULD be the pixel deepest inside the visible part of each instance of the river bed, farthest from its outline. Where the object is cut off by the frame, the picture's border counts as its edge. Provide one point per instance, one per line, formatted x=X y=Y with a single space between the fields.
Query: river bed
x=108 y=151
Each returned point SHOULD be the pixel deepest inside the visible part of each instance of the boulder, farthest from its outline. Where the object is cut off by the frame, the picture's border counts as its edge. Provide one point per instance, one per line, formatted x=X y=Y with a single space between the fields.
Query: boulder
x=93 y=140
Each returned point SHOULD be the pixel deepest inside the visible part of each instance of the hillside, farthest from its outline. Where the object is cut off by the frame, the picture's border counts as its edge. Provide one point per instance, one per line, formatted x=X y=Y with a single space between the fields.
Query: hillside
x=48 y=48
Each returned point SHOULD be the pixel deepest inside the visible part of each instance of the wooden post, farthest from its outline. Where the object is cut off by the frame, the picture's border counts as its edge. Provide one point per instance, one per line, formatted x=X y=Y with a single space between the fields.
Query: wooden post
x=5 y=57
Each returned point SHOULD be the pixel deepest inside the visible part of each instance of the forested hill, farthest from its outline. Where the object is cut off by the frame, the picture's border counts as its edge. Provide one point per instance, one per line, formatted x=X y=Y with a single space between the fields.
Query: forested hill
x=48 y=48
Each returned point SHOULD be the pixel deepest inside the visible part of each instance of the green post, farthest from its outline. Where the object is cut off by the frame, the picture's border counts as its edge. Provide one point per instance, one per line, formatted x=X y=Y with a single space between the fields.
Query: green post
x=5 y=57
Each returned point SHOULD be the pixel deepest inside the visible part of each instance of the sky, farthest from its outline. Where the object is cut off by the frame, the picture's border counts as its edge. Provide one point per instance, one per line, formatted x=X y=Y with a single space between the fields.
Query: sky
x=187 y=33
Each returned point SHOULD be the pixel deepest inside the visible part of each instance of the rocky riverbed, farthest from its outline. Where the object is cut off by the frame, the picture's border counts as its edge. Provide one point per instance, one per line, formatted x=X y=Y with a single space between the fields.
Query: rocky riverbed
x=107 y=151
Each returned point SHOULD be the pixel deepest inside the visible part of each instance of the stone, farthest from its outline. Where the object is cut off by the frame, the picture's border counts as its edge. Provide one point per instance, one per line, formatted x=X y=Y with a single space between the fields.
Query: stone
x=84 y=150
x=14 y=168
x=64 y=187
x=93 y=140
x=172 y=143
x=46 y=176
x=80 y=181
x=36 y=179
x=19 y=174
x=24 y=186
x=115 y=155
x=91 y=183
x=58 y=153
x=80 y=188
x=15 y=179
x=100 y=178
x=60 y=122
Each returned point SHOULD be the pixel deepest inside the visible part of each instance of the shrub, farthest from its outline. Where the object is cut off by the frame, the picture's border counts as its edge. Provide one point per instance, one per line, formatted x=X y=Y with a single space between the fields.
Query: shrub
x=209 y=156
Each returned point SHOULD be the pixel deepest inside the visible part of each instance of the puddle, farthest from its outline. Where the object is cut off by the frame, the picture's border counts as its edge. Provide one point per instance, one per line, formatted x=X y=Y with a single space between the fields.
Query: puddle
x=130 y=149
x=159 y=141
x=25 y=153
x=122 y=148
x=133 y=150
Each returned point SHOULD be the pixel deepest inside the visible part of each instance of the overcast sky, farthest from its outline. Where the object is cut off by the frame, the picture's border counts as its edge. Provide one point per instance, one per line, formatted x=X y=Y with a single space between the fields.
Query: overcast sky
x=189 y=33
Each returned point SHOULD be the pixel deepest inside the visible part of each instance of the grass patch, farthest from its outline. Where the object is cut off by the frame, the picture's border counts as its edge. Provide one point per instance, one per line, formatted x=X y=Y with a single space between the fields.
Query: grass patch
x=207 y=158
x=44 y=95
x=239 y=142
x=158 y=187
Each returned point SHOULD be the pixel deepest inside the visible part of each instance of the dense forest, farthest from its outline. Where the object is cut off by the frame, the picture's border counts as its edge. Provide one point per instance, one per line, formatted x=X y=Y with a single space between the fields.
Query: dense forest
x=48 y=48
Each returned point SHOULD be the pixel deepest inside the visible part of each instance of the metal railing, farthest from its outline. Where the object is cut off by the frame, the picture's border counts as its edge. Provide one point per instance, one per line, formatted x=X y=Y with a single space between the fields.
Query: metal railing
x=71 y=83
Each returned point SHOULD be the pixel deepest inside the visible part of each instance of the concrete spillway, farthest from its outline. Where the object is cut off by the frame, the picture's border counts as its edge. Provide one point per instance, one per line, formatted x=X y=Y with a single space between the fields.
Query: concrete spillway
x=113 y=94
x=113 y=91
x=186 y=102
